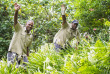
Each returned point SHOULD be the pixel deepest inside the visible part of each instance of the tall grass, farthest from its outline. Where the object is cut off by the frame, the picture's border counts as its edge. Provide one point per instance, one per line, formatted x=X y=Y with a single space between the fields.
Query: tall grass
x=90 y=58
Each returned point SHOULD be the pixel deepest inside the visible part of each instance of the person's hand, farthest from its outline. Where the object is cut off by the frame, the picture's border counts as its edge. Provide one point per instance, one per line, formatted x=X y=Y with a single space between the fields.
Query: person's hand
x=63 y=8
x=16 y=6
x=76 y=48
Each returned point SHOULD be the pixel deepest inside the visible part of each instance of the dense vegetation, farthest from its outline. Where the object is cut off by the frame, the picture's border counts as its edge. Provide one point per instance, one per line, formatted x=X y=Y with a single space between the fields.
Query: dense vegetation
x=88 y=59
x=92 y=56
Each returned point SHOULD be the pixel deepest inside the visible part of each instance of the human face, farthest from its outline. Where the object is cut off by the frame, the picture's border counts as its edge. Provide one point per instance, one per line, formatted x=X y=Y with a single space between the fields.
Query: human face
x=29 y=25
x=74 y=26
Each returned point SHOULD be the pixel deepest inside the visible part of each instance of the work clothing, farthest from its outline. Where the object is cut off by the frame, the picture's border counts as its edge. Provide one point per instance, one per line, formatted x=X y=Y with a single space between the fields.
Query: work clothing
x=20 y=40
x=64 y=35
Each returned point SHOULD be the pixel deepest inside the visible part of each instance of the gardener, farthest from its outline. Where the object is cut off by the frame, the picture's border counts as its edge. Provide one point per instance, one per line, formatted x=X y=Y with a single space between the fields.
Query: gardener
x=22 y=38
x=67 y=32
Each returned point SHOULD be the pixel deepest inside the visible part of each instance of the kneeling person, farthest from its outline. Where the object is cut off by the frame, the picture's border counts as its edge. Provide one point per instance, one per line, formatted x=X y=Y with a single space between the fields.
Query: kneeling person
x=67 y=32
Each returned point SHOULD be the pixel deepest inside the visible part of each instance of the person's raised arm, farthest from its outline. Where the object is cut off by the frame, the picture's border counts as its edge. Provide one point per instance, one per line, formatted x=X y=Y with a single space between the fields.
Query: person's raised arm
x=63 y=8
x=17 y=7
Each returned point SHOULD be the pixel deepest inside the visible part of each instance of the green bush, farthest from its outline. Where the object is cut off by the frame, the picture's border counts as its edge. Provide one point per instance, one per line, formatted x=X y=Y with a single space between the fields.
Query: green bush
x=92 y=56
x=91 y=59
x=92 y=13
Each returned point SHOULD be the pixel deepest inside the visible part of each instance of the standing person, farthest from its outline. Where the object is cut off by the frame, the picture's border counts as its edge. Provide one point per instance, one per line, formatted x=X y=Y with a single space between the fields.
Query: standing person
x=21 y=40
x=67 y=32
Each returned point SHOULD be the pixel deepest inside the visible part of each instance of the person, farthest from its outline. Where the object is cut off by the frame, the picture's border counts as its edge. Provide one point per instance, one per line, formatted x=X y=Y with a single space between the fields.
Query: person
x=21 y=40
x=67 y=32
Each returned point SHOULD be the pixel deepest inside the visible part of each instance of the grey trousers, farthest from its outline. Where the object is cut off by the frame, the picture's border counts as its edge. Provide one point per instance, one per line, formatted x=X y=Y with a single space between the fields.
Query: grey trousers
x=13 y=57
x=57 y=47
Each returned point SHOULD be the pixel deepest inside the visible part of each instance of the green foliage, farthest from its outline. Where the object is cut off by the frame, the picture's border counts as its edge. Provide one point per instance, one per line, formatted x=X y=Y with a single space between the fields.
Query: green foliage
x=46 y=60
x=4 y=69
x=5 y=27
x=92 y=13
x=47 y=17
x=45 y=13
x=92 y=56
x=87 y=60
